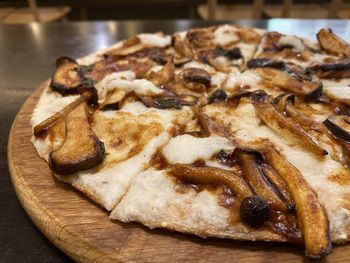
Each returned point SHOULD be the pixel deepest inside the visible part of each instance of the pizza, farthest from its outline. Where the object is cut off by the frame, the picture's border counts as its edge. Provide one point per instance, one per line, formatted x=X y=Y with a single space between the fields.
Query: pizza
x=222 y=131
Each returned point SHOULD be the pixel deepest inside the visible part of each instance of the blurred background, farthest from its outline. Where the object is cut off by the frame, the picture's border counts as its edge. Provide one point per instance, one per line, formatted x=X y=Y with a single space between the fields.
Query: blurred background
x=26 y=11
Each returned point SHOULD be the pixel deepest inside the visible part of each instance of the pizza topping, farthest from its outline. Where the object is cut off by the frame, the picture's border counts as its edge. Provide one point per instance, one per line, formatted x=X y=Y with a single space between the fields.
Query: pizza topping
x=338 y=69
x=114 y=100
x=226 y=35
x=256 y=179
x=81 y=148
x=234 y=53
x=280 y=185
x=212 y=176
x=283 y=126
x=311 y=216
x=218 y=95
x=161 y=103
x=183 y=52
x=254 y=211
x=332 y=43
x=67 y=77
x=163 y=76
x=186 y=149
x=43 y=126
x=196 y=75
x=339 y=126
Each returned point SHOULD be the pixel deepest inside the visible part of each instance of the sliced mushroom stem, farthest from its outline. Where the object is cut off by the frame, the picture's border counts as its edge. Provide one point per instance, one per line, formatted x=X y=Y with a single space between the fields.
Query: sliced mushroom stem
x=81 y=148
x=285 y=105
x=163 y=76
x=280 y=185
x=285 y=127
x=332 y=43
x=254 y=176
x=212 y=175
x=311 y=216
x=43 y=126
x=285 y=81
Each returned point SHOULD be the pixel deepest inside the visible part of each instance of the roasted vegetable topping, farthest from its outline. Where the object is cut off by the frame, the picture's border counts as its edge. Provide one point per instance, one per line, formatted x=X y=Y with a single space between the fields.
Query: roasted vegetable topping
x=218 y=95
x=196 y=75
x=332 y=43
x=161 y=103
x=256 y=179
x=212 y=176
x=254 y=211
x=285 y=127
x=339 y=126
x=81 y=149
x=67 y=77
x=339 y=69
x=234 y=53
x=311 y=216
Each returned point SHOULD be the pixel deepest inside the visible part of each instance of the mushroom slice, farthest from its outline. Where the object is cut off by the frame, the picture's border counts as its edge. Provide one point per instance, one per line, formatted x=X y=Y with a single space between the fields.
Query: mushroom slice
x=284 y=126
x=67 y=77
x=285 y=105
x=333 y=44
x=277 y=181
x=234 y=53
x=43 y=126
x=311 y=216
x=286 y=81
x=212 y=176
x=339 y=126
x=217 y=95
x=161 y=103
x=196 y=75
x=163 y=76
x=210 y=127
x=338 y=69
x=81 y=148
x=114 y=100
x=182 y=47
x=130 y=46
x=256 y=179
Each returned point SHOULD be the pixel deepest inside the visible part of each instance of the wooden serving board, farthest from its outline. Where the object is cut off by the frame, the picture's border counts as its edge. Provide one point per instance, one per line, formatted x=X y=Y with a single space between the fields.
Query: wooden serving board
x=83 y=231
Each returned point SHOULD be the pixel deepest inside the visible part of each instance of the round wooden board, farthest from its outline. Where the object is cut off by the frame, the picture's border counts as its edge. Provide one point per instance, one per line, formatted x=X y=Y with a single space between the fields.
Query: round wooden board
x=83 y=230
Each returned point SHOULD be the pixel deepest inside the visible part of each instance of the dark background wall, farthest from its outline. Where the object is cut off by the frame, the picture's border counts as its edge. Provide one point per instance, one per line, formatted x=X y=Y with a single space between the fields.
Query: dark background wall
x=135 y=9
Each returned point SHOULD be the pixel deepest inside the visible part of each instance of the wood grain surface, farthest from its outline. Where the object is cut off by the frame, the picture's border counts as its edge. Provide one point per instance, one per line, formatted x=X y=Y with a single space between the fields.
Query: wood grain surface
x=83 y=231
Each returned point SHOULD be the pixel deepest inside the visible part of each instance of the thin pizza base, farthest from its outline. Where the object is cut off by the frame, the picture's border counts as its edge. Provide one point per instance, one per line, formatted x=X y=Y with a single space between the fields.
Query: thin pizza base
x=134 y=191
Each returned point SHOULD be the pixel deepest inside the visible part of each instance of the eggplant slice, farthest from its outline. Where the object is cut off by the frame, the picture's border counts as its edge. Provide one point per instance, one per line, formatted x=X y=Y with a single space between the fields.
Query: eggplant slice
x=67 y=78
x=332 y=43
x=81 y=148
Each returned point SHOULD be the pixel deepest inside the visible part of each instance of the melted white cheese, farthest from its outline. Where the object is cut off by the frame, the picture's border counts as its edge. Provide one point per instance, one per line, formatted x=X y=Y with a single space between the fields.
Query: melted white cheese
x=125 y=80
x=239 y=80
x=156 y=40
x=196 y=64
x=217 y=79
x=337 y=89
x=225 y=35
x=286 y=40
x=186 y=149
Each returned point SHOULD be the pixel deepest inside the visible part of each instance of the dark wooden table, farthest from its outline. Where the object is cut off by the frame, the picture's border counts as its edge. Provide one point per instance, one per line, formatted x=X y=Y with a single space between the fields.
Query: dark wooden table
x=27 y=55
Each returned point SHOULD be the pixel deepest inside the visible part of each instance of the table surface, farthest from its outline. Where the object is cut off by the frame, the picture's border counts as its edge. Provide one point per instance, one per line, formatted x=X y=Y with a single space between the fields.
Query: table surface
x=27 y=55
